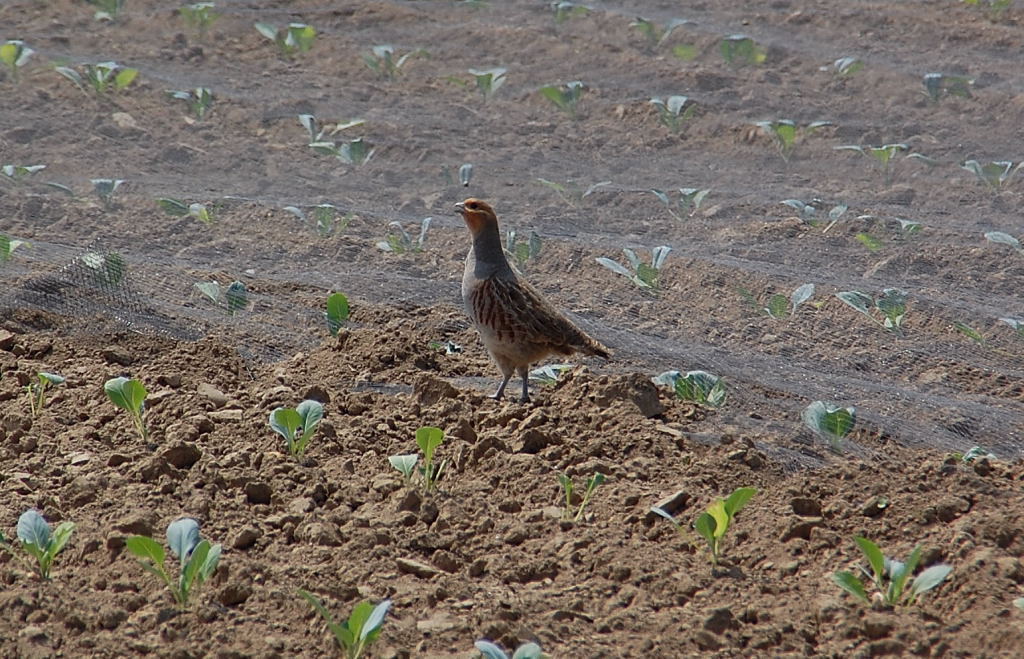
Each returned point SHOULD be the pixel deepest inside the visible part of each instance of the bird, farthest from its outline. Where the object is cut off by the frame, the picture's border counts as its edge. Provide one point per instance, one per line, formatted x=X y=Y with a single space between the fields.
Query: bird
x=516 y=324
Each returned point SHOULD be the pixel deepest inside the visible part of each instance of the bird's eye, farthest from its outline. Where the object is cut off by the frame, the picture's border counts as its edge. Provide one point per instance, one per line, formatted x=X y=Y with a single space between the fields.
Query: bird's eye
x=471 y=205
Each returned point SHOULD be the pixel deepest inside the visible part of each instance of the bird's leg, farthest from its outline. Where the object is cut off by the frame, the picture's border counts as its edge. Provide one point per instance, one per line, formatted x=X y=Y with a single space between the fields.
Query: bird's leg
x=501 y=387
x=524 y=372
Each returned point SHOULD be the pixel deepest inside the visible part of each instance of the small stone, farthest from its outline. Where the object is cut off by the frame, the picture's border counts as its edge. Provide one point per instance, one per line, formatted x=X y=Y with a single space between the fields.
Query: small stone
x=6 y=340
x=258 y=493
x=234 y=594
x=429 y=389
x=671 y=504
x=124 y=120
x=245 y=538
x=446 y=561
x=301 y=505
x=212 y=394
x=111 y=618
x=172 y=380
x=420 y=569
x=33 y=633
x=117 y=459
x=183 y=455
x=137 y=524
x=477 y=567
x=321 y=534
x=874 y=507
x=410 y=501
x=233 y=416
x=720 y=621
x=117 y=355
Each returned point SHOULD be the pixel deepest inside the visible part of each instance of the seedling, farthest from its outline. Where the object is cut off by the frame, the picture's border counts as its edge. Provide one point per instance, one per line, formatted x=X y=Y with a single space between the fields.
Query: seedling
x=37 y=390
x=7 y=247
x=14 y=54
x=994 y=174
x=449 y=347
x=381 y=60
x=570 y=192
x=361 y=629
x=401 y=241
x=529 y=650
x=324 y=218
x=884 y=155
x=996 y=9
x=297 y=425
x=105 y=189
x=566 y=10
x=974 y=453
x=38 y=541
x=337 y=312
x=199 y=16
x=18 y=173
x=428 y=439
x=232 y=299
x=785 y=133
x=129 y=395
x=892 y=303
x=319 y=134
x=829 y=420
x=488 y=81
x=689 y=202
x=739 y=49
x=565 y=97
x=935 y=84
x=969 y=332
x=1015 y=324
x=465 y=174
x=291 y=40
x=107 y=10
x=847 y=66
x=100 y=78
x=567 y=489
x=179 y=208
x=199 y=100
x=808 y=212
x=1004 y=239
x=674 y=111
x=891 y=578
x=405 y=464
x=522 y=251
x=779 y=305
x=354 y=152
x=548 y=374
x=642 y=274
x=702 y=388
x=653 y=33
x=107 y=269
x=197 y=558
x=713 y=524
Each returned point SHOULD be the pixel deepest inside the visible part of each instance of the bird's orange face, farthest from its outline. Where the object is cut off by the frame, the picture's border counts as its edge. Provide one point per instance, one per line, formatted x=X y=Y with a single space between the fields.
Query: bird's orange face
x=477 y=214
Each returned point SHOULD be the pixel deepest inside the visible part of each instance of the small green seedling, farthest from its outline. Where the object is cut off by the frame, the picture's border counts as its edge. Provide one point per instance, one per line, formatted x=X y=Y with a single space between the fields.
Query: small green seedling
x=361 y=629
x=18 y=173
x=655 y=35
x=522 y=251
x=291 y=40
x=297 y=425
x=100 y=78
x=199 y=16
x=199 y=100
x=644 y=275
x=179 y=208
x=465 y=174
x=674 y=111
x=488 y=81
x=700 y=387
x=428 y=439
x=529 y=650
x=105 y=188
x=232 y=299
x=937 y=84
x=405 y=464
x=107 y=10
x=14 y=54
x=808 y=212
x=1015 y=324
x=565 y=97
x=713 y=524
x=565 y=10
x=831 y=421
x=197 y=558
x=975 y=453
x=337 y=312
x=107 y=270
x=448 y=346
x=129 y=395
x=689 y=202
x=845 y=67
x=548 y=374
x=892 y=303
x=1004 y=239
x=785 y=133
x=402 y=242
x=995 y=174
x=38 y=541
x=969 y=332
x=779 y=305
x=893 y=579
x=319 y=134
x=381 y=60
x=565 y=481
x=353 y=152
x=739 y=49
x=324 y=218
x=37 y=390
x=996 y=8
x=883 y=155
x=570 y=192
x=8 y=245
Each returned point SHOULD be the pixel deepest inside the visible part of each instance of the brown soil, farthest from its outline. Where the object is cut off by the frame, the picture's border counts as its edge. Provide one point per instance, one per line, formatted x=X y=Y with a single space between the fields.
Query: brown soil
x=490 y=556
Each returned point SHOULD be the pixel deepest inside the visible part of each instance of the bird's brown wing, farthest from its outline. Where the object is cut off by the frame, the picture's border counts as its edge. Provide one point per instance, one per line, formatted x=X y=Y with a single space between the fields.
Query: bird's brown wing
x=530 y=318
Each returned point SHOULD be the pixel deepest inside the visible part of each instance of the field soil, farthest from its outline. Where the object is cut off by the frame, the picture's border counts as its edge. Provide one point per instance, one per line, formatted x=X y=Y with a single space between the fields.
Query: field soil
x=490 y=554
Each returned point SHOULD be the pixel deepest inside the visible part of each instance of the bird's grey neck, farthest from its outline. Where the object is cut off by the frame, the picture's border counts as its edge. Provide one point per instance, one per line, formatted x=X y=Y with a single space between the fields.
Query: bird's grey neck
x=489 y=254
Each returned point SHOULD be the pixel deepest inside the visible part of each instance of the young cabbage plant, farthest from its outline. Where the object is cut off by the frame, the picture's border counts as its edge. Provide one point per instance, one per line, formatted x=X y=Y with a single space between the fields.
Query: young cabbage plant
x=353 y=152
x=830 y=421
x=566 y=482
x=448 y=346
x=105 y=188
x=178 y=208
x=565 y=10
x=571 y=192
x=522 y=251
x=565 y=97
x=290 y=41
x=232 y=299
x=37 y=390
x=739 y=50
x=199 y=100
x=689 y=202
x=674 y=111
x=100 y=78
x=548 y=374
x=199 y=16
x=401 y=241
x=808 y=212
x=1004 y=239
x=129 y=395
x=845 y=67
x=892 y=303
x=337 y=312
x=995 y=174
x=428 y=439
x=488 y=81
x=359 y=631
x=297 y=425
x=324 y=218
x=644 y=275
x=937 y=84
x=8 y=245
x=318 y=133
x=713 y=524
x=655 y=35
x=699 y=387
x=1015 y=324
x=38 y=541
x=197 y=558
x=785 y=133
x=381 y=60
x=883 y=155
x=893 y=579
x=18 y=173
x=779 y=305
x=14 y=54
x=107 y=269
x=531 y=650
x=107 y=10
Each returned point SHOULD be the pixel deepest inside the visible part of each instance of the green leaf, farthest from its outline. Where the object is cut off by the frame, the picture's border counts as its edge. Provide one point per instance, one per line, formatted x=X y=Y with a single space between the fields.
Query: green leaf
x=969 y=331
x=404 y=463
x=851 y=584
x=873 y=244
x=829 y=419
x=428 y=439
x=146 y=548
x=929 y=579
x=874 y=555
x=862 y=302
x=182 y=537
x=491 y=651
x=61 y=535
x=124 y=78
x=721 y=516
x=705 y=526
x=126 y=394
x=373 y=622
x=191 y=568
x=337 y=312
x=738 y=499
x=173 y=207
x=1003 y=238
x=34 y=530
x=801 y=295
x=528 y=651
x=285 y=421
x=778 y=305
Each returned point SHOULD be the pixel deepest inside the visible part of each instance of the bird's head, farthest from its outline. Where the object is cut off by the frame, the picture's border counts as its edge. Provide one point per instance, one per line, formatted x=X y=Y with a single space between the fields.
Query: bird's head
x=477 y=214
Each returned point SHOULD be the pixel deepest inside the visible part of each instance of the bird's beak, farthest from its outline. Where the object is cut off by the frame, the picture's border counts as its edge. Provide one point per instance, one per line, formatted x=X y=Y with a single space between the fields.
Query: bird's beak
x=460 y=207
